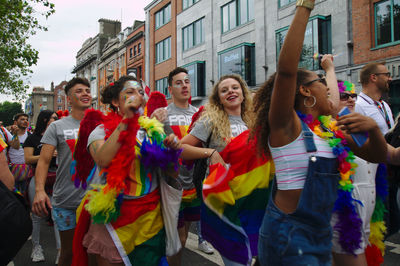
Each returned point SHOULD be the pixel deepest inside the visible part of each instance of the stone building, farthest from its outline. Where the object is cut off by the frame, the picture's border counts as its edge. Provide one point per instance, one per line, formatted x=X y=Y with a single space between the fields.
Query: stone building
x=41 y=99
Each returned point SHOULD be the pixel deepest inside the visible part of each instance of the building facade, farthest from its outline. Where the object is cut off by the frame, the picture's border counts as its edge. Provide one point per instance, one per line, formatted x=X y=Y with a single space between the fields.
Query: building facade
x=88 y=57
x=160 y=42
x=41 y=99
x=135 y=52
x=60 y=98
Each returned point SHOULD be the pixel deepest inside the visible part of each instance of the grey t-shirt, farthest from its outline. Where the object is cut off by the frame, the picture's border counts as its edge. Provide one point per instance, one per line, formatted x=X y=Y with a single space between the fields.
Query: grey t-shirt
x=202 y=131
x=99 y=134
x=179 y=119
x=62 y=134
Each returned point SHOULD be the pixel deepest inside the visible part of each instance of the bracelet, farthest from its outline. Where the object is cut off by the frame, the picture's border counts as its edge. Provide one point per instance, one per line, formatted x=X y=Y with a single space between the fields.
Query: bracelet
x=212 y=153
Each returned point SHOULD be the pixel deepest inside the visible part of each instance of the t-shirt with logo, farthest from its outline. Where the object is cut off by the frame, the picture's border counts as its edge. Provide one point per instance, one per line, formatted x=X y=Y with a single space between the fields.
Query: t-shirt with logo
x=62 y=134
x=17 y=156
x=202 y=131
x=179 y=120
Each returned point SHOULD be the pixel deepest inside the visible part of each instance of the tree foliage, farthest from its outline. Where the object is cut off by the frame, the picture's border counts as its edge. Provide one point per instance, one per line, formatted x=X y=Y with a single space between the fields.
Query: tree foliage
x=18 y=22
x=8 y=110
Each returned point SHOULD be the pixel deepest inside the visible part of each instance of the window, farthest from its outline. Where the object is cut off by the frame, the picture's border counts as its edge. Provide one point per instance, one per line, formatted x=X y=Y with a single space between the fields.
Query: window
x=193 y=34
x=285 y=2
x=163 y=50
x=59 y=99
x=236 y=13
x=44 y=99
x=163 y=16
x=162 y=86
x=188 y=3
x=130 y=53
x=139 y=48
x=317 y=39
x=238 y=60
x=134 y=51
x=387 y=22
x=196 y=72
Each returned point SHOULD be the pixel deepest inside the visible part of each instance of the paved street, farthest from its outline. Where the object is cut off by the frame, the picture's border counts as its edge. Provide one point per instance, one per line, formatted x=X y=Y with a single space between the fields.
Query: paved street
x=191 y=255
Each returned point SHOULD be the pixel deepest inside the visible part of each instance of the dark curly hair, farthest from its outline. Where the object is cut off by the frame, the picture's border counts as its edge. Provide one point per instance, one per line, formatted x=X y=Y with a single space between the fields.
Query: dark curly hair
x=261 y=104
x=111 y=91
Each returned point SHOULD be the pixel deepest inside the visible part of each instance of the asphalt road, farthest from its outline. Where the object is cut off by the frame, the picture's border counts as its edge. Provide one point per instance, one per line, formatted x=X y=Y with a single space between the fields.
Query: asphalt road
x=191 y=255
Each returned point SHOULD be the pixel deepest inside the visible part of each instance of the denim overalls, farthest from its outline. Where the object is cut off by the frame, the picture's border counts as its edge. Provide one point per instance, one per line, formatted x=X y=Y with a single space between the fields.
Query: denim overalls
x=304 y=236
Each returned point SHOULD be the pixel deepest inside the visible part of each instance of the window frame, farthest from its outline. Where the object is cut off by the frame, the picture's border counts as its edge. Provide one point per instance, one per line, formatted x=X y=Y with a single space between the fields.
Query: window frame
x=199 y=83
x=194 y=34
x=189 y=3
x=163 y=42
x=165 y=83
x=237 y=4
x=392 y=29
x=289 y=2
x=160 y=16
x=315 y=37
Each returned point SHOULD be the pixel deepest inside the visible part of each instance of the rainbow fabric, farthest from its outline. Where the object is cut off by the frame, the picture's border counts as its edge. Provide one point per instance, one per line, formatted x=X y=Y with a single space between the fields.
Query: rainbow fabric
x=138 y=233
x=235 y=200
x=180 y=131
x=3 y=145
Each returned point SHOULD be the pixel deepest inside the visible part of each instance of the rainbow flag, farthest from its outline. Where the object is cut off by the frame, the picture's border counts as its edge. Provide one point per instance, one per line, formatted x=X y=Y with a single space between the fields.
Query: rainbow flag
x=180 y=131
x=235 y=200
x=3 y=145
x=138 y=233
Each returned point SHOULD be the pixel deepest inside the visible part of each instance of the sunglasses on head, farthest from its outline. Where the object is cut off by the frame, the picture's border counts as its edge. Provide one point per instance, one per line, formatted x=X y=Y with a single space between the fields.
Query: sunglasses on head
x=345 y=96
x=321 y=78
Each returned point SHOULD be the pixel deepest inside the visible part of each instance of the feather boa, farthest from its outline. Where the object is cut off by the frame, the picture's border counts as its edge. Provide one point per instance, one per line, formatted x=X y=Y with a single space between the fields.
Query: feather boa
x=375 y=251
x=349 y=223
x=105 y=202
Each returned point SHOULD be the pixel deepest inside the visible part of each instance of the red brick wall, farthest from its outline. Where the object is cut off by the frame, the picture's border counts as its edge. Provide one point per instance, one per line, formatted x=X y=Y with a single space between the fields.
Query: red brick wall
x=138 y=60
x=162 y=70
x=363 y=34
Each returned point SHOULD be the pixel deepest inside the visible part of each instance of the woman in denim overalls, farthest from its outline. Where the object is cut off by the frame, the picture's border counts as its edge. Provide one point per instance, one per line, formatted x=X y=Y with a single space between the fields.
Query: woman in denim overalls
x=296 y=227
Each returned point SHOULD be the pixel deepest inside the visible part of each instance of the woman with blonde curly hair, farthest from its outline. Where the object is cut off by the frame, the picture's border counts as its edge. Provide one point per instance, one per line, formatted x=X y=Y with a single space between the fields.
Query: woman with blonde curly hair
x=225 y=116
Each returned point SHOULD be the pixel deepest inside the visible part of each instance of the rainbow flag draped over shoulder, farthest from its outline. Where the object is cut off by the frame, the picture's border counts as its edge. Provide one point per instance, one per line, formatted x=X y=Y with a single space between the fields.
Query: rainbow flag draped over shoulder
x=138 y=233
x=235 y=200
x=3 y=145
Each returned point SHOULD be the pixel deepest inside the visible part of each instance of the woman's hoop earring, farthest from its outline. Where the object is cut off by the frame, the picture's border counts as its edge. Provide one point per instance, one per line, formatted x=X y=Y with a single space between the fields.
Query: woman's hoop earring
x=312 y=105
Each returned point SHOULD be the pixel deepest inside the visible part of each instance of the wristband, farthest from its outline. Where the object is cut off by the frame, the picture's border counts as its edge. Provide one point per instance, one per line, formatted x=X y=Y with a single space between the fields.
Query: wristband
x=212 y=153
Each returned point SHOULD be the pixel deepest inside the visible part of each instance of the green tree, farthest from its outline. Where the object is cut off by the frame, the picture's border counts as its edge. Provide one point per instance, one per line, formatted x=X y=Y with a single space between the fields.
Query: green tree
x=8 y=110
x=18 y=22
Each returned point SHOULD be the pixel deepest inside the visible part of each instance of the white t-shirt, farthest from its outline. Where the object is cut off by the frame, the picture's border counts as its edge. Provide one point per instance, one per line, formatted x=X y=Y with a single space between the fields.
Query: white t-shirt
x=17 y=156
x=366 y=105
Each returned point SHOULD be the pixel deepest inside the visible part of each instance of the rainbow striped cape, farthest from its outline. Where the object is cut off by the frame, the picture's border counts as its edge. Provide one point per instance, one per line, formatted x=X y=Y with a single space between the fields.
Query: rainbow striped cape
x=3 y=145
x=138 y=233
x=235 y=200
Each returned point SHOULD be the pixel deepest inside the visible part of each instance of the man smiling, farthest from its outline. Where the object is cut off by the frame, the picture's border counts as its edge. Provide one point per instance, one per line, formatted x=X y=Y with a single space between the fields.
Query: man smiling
x=61 y=135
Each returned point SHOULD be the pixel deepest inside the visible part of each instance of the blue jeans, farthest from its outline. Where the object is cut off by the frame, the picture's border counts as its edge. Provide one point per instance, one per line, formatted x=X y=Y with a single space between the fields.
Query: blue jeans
x=304 y=236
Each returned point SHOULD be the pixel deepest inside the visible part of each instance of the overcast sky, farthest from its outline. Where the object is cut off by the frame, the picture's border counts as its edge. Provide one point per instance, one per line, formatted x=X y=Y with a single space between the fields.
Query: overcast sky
x=73 y=22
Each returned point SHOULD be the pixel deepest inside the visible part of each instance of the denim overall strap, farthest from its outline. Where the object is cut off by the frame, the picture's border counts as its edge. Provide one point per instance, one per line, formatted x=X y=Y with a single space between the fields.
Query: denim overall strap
x=308 y=138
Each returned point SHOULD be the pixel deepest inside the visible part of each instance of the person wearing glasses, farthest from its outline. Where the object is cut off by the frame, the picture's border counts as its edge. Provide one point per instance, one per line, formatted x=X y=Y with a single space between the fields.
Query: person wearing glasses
x=375 y=79
x=292 y=125
x=32 y=147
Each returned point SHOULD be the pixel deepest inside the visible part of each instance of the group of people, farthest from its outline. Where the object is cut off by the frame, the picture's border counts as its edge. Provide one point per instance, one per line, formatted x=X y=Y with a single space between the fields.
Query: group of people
x=324 y=193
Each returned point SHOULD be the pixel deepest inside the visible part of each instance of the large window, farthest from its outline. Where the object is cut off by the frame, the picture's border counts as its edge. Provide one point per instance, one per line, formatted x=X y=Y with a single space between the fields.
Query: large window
x=285 y=2
x=238 y=60
x=163 y=16
x=188 y=3
x=197 y=77
x=387 y=22
x=236 y=13
x=317 y=39
x=193 y=34
x=139 y=48
x=162 y=86
x=163 y=50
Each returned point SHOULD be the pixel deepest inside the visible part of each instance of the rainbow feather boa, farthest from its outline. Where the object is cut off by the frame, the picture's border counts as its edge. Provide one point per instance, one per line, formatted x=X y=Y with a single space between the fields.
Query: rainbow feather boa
x=349 y=223
x=105 y=201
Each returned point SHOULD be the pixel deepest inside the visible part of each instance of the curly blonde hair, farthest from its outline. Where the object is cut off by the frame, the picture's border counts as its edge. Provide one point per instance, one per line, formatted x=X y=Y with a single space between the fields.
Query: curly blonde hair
x=216 y=115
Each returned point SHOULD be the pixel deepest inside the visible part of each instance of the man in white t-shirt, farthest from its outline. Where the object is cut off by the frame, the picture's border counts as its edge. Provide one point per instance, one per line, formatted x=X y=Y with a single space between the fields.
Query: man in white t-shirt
x=16 y=139
x=375 y=79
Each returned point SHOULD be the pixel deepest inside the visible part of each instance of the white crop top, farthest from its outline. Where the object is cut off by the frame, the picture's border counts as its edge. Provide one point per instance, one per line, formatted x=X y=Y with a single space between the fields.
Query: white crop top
x=291 y=161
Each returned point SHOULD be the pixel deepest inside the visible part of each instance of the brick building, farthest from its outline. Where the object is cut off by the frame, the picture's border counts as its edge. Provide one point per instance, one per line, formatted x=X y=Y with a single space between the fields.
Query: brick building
x=135 y=52
x=60 y=99
x=160 y=42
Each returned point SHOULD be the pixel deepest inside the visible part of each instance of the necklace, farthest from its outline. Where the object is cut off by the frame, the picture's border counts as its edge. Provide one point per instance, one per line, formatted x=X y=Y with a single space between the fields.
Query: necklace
x=349 y=222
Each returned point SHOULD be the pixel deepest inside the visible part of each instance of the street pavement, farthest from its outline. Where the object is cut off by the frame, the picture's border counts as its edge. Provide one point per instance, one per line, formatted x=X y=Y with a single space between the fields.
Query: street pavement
x=191 y=255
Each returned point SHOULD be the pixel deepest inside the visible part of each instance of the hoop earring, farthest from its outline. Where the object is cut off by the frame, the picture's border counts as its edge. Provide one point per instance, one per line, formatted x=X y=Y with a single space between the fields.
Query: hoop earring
x=314 y=101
